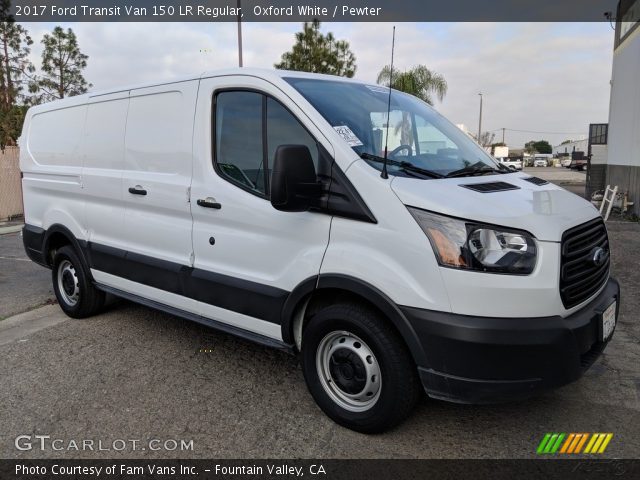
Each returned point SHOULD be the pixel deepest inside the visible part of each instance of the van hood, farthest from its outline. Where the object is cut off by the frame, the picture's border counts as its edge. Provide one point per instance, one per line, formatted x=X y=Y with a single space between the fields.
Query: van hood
x=545 y=211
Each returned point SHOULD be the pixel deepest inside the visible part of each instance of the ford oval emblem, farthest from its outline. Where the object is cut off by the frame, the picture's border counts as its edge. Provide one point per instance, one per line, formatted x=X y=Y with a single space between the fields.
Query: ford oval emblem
x=598 y=256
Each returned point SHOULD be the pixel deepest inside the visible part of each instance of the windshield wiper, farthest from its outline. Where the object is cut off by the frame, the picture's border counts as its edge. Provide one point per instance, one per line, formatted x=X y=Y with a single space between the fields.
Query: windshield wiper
x=474 y=169
x=404 y=166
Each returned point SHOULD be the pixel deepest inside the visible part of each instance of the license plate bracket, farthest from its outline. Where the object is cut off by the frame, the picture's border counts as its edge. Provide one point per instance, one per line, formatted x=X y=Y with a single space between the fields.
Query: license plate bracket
x=607 y=322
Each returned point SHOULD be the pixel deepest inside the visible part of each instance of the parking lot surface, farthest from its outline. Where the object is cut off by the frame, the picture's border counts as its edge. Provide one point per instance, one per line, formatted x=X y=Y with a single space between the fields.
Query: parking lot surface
x=23 y=285
x=132 y=373
x=560 y=175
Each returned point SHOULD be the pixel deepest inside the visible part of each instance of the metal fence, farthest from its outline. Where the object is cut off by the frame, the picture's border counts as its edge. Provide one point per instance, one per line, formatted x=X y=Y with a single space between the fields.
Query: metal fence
x=10 y=184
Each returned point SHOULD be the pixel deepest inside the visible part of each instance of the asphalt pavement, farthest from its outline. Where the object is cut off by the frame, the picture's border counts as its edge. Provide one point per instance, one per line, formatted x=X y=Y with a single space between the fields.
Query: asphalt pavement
x=23 y=284
x=132 y=373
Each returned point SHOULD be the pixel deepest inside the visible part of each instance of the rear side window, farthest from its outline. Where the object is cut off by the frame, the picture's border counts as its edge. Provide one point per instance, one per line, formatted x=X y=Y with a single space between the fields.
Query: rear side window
x=249 y=127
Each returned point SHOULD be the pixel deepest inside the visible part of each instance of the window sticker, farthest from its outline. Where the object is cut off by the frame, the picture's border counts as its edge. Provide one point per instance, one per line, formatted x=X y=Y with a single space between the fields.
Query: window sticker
x=348 y=135
x=378 y=88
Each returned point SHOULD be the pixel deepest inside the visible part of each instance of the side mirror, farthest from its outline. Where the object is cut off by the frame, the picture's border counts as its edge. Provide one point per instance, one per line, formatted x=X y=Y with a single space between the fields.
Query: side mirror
x=294 y=185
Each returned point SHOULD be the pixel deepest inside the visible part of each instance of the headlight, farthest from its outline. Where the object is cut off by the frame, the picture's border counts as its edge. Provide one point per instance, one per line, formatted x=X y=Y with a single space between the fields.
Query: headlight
x=475 y=246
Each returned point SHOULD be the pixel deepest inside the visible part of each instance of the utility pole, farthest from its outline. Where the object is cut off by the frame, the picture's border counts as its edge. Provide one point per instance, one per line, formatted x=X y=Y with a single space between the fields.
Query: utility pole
x=503 y=134
x=239 y=35
x=480 y=120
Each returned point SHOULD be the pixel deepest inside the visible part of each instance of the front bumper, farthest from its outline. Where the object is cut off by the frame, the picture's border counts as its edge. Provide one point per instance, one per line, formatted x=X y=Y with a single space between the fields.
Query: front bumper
x=487 y=360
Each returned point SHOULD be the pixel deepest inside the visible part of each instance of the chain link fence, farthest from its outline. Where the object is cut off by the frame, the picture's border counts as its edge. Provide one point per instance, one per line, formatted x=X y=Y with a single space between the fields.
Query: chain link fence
x=10 y=184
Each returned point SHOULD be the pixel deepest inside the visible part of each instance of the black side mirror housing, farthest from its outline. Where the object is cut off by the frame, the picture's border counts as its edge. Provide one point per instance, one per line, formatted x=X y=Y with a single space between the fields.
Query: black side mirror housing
x=294 y=185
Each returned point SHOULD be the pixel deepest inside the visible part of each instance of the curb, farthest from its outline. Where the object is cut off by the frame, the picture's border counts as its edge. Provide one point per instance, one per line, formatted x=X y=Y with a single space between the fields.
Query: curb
x=10 y=229
x=22 y=325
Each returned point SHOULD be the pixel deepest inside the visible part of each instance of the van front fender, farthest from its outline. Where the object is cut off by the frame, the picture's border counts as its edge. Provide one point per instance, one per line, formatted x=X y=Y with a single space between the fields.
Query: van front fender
x=357 y=288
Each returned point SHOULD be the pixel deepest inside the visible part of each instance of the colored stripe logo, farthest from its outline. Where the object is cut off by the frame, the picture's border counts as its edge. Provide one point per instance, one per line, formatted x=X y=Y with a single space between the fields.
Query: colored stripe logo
x=574 y=443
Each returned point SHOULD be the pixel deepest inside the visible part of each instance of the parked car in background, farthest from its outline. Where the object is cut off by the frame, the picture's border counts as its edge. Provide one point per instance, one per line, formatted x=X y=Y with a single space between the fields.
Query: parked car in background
x=539 y=162
x=578 y=164
x=514 y=163
x=566 y=162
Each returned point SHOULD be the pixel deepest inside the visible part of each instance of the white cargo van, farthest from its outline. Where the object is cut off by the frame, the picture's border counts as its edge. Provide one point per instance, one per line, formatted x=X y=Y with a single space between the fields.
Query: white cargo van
x=260 y=203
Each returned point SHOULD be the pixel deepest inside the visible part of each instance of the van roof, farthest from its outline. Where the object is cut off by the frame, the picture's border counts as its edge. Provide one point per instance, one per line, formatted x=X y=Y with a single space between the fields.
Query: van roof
x=264 y=73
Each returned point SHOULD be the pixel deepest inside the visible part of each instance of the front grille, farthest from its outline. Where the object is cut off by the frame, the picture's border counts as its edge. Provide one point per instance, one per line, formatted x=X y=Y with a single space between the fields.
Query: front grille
x=580 y=276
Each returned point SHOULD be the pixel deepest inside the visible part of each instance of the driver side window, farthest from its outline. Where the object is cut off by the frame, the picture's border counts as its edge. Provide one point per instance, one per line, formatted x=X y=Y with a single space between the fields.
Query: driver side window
x=239 y=153
x=249 y=127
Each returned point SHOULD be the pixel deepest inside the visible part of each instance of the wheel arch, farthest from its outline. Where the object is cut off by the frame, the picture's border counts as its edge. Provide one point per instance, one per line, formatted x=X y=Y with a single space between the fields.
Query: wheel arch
x=302 y=299
x=58 y=235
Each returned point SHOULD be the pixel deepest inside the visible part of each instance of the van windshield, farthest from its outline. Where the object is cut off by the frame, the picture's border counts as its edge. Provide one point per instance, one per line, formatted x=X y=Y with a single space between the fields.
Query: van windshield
x=418 y=135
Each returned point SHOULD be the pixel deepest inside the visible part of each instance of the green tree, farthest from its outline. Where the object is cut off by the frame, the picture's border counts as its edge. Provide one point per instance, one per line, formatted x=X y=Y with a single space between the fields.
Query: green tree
x=418 y=81
x=538 y=146
x=11 y=121
x=15 y=70
x=62 y=66
x=529 y=148
x=318 y=53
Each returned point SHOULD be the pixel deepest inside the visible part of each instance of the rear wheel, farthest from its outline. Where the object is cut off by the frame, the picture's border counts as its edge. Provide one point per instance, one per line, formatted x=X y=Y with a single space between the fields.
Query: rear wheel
x=76 y=295
x=358 y=369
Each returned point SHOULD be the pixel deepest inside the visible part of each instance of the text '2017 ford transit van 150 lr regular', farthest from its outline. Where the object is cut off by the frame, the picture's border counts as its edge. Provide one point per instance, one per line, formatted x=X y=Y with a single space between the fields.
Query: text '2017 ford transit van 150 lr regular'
x=260 y=203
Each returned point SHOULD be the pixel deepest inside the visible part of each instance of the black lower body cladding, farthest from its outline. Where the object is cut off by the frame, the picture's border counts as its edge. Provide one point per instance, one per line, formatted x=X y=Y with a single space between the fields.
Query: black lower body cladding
x=487 y=360
x=33 y=240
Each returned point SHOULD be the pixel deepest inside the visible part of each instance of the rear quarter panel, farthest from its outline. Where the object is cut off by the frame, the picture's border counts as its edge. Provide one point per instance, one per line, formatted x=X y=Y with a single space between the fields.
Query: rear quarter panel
x=51 y=165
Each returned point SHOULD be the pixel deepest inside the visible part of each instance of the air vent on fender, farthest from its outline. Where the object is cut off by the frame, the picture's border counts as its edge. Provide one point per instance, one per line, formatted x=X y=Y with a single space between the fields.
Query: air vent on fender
x=491 y=187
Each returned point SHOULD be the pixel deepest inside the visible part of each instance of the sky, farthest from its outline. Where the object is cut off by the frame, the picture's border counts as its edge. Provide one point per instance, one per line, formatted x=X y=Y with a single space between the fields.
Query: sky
x=539 y=77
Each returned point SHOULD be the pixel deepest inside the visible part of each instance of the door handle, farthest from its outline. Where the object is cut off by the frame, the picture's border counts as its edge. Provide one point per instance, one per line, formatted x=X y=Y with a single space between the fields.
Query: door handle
x=209 y=202
x=137 y=190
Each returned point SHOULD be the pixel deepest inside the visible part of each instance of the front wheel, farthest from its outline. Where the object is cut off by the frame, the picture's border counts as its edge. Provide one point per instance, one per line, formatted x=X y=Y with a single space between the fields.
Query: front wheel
x=76 y=295
x=357 y=368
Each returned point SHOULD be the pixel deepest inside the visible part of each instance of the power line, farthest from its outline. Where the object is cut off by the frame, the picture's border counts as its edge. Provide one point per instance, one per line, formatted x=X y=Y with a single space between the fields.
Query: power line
x=535 y=131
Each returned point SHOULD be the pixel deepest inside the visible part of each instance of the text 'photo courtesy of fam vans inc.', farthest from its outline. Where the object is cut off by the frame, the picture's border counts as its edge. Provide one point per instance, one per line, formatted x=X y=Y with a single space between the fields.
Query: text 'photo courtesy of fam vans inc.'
x=341 y=221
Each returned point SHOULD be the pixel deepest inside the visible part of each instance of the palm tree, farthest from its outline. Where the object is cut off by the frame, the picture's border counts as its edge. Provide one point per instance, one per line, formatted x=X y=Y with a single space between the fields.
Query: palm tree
x=418 y=81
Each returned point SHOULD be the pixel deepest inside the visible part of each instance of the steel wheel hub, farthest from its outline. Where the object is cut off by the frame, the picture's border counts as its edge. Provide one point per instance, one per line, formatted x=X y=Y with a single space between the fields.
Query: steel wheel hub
x=68 y=284
x=349 y=371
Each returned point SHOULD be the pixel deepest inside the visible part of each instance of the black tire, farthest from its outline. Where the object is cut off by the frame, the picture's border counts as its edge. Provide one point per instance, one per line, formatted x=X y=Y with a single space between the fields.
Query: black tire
x=398 y=389
x=75 y=292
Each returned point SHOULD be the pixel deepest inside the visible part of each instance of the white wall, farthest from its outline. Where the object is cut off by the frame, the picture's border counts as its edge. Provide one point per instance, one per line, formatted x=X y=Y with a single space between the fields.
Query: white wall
x=624 y=110
x=581 y=146
x=599 y=154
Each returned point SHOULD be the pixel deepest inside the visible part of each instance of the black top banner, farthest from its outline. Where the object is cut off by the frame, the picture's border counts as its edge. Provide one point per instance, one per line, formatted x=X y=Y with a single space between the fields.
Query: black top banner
x=323 y=10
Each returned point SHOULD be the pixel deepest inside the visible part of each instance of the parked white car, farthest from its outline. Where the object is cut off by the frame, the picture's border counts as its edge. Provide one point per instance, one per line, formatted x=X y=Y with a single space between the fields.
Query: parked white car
x=512 y=163
x=566 y=162
x=540 y=162
x=260 y=203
